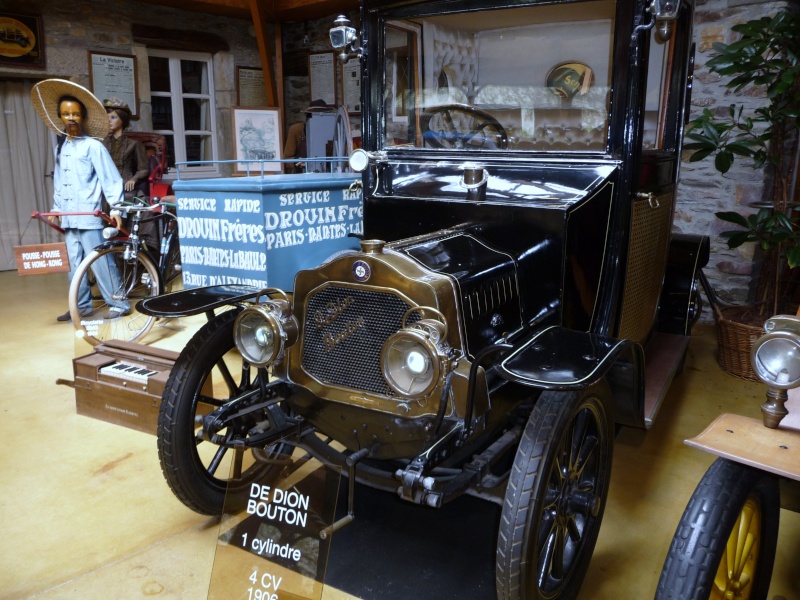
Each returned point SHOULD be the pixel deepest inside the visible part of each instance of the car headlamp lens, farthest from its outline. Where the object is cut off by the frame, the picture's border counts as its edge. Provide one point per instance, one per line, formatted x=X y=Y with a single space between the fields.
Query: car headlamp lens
x=264 y=337
x=410 y=363
x=257 y=334
x=417 y=363
x=775 y=358
x=262 y=332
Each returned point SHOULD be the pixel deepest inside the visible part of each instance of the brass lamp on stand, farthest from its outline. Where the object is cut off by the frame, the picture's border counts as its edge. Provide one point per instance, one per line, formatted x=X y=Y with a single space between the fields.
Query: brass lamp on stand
x=776 y=361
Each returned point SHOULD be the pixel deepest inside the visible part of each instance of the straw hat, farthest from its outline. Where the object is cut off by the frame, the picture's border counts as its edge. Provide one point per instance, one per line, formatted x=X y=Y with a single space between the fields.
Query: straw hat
x=45 y=95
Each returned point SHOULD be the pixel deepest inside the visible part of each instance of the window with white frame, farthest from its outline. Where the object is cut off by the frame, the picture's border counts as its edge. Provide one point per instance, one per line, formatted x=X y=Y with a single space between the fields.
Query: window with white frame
x=182 y=96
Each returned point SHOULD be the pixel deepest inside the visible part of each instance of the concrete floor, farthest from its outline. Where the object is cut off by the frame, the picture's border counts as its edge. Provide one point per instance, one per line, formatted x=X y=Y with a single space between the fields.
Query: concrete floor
x=88 y=515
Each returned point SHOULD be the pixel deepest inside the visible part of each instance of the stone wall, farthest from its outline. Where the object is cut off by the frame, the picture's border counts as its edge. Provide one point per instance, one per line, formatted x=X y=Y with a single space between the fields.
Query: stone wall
x=73 y=28
x=702 y=190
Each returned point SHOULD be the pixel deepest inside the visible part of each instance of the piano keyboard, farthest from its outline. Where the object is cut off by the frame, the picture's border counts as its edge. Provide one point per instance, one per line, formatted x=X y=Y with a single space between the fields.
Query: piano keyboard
x=129 y=371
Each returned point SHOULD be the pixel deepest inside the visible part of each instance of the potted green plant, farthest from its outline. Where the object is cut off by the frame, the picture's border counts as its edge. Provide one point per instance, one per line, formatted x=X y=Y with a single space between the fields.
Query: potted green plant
x=767 y=55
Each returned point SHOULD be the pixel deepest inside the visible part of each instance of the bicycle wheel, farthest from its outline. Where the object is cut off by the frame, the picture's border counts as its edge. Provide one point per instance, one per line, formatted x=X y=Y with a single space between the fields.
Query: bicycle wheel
x=172 y=272
x=125 y=282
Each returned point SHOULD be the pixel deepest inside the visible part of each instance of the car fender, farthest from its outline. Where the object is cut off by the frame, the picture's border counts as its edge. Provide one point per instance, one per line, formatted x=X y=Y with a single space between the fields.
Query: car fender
x=185 y=303
x=558 y=358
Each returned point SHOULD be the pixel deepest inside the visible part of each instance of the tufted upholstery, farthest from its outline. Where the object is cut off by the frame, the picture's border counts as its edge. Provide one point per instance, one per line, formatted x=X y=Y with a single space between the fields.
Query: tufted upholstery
x=564 y=129
x=452 y=53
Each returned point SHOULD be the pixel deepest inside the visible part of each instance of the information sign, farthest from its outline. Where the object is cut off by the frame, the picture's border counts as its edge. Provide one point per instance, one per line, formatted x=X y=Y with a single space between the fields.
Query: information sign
x=274 y=539
x=41 y=259
x=114 y=76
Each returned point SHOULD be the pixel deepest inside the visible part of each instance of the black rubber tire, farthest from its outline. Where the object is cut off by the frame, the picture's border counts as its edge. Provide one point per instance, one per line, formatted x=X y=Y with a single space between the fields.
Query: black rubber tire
x=537 y=512
x=172 y=277
x=183 y=458
x=138 y=280
x=462 y=140
x=710 y=519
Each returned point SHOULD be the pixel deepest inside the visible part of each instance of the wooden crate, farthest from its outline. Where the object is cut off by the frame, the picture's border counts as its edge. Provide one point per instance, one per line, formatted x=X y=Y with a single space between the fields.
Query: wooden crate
x=117 y=400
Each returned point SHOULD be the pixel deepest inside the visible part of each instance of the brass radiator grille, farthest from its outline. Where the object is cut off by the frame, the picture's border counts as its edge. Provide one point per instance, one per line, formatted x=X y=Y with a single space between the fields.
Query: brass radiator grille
x=344 y=331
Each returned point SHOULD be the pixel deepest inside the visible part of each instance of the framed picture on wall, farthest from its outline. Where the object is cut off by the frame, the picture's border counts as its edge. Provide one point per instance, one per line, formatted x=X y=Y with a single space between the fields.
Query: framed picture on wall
x=114 y=76
x=351 y=86
x=256 y=140
x=21 y=40
x=250 y=88
x=322 y=77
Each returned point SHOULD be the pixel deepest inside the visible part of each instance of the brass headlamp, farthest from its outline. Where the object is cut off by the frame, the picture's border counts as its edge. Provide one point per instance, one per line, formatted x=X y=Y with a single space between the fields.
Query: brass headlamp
x=775 y=358
x=263 y=331
x=414 y=359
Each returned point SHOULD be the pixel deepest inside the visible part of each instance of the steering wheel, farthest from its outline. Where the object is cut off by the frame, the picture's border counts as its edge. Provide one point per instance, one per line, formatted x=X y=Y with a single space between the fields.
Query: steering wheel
x=342 y=140
x=461 y=127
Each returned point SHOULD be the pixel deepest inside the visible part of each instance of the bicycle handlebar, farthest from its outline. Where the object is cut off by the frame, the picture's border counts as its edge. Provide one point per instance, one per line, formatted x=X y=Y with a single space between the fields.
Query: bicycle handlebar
x=149 y=208
x=157 y=206
x=42 y=216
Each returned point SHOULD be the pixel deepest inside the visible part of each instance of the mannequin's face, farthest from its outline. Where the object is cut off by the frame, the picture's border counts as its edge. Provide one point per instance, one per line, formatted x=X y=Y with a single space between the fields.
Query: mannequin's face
x=71 y=117
x=114 y=122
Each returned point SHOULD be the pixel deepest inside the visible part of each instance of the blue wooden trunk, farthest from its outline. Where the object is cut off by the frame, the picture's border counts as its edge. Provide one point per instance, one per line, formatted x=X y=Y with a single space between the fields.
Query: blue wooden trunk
x=261 y=230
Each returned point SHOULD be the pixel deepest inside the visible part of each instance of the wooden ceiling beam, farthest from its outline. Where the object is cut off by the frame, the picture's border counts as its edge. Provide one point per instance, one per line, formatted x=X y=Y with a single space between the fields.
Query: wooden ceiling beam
x=276 y=11
x=265 y=50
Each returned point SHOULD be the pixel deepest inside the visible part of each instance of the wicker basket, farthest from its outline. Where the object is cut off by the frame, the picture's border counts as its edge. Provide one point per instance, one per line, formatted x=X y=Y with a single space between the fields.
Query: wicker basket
x=734 y=341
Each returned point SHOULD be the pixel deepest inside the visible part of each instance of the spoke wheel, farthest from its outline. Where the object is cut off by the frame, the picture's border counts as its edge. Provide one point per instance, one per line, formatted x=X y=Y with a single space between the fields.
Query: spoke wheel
x=739 y=562
x=172 y=275
x=130 y=280
x=342 y=140
x=724 y=546
x=208 y=373
x=461 y=127
x=556 y=496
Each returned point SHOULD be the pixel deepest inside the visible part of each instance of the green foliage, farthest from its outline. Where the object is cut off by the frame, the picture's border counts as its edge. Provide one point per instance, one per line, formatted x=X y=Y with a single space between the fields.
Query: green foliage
x=767 y=55
x=767 y=228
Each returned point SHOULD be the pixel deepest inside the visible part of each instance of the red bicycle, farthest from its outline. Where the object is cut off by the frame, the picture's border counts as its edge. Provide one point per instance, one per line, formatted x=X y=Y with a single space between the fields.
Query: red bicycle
x=143 y=271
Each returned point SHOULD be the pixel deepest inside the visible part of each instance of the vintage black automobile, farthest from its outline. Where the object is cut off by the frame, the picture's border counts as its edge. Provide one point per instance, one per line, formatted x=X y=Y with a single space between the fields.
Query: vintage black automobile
x=519 y=292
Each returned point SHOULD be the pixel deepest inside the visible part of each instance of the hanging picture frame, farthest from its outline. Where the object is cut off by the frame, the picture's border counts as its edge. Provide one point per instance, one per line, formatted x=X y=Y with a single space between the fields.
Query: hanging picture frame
x=250 y=88
x=21 y=40
x=256 y=140
x=114 y=76
x=322 y=77
x=351 y=86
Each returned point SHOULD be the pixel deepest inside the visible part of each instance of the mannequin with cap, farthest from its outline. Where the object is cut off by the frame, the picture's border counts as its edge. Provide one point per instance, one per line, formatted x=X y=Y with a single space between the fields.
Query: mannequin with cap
x=128 y=155
x=295 y=146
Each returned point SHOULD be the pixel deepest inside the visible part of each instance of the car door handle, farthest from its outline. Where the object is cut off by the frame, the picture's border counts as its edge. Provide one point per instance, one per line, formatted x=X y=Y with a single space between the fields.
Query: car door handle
x=650 y=197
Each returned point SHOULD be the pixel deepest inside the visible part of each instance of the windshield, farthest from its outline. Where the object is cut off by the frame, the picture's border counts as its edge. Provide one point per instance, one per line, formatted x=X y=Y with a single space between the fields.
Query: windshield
x=533 y=78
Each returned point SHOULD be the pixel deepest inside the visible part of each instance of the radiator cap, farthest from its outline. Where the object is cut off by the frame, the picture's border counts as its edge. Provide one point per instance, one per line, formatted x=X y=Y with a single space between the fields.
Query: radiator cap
x=372 y=246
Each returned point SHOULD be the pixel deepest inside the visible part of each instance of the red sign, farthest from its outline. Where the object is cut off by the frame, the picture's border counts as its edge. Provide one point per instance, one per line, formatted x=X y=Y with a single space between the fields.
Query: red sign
x=40 y=259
